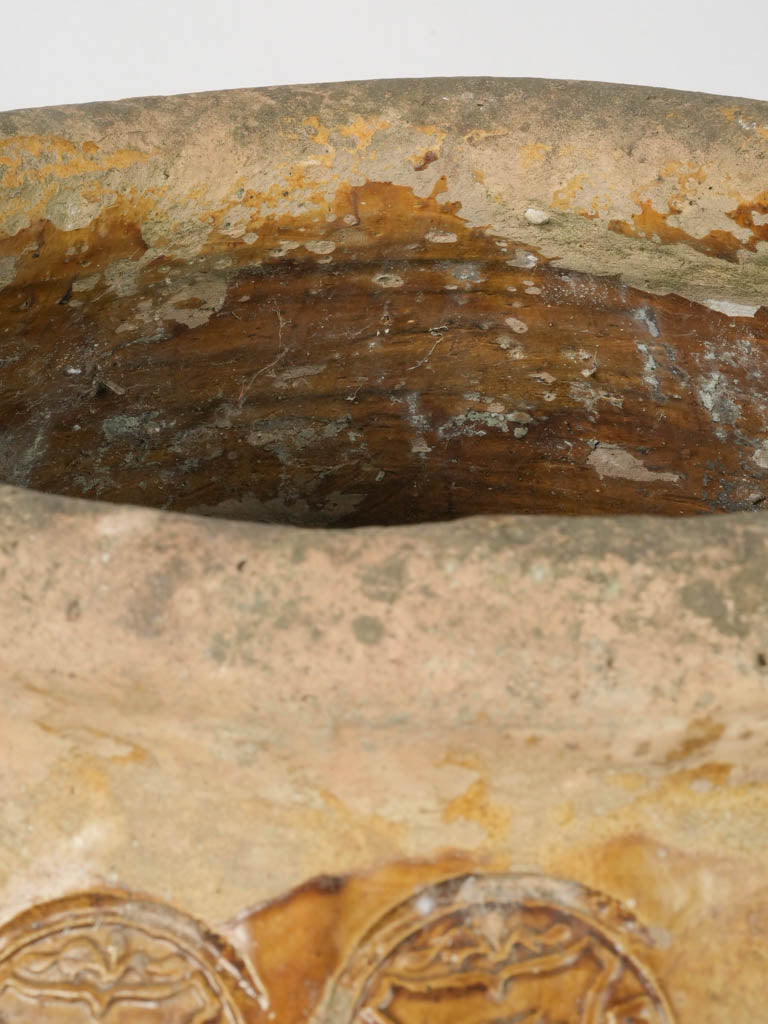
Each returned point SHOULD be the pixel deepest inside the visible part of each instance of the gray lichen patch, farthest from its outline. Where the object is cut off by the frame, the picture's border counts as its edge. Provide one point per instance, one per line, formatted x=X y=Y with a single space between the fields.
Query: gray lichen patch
x=650 y=371
x=86 y=284
x=180 y=235
x=19 y=455
x=208 y=293
x=288 y=436
x=122 y=277
x=298 y=373
x=237 y=221
x=385 y=581
x=388 y=280
x=474 y=423
x=713 y=392
x=321 y=246
x=511 y=346
x=8 y=266
x=121 y=427
x=523 y=260
x=706 y=600
x=286 y=245
x=368 y=629
x=69 y=210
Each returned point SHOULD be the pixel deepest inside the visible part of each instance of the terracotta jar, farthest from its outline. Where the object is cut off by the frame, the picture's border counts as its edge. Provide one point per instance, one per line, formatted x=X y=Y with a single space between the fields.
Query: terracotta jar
x=375 y=648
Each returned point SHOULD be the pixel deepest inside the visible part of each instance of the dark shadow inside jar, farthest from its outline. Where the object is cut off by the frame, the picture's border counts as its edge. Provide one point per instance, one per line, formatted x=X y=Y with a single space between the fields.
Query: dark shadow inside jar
x=384 y=365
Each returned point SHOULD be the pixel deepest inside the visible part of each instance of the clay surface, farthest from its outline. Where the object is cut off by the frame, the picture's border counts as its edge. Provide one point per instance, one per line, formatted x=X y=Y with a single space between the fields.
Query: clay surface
x=453 y=762
x=210 y=713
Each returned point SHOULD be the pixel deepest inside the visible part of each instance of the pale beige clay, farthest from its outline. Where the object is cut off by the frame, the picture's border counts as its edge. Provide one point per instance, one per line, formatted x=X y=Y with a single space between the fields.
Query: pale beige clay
x=306 y=715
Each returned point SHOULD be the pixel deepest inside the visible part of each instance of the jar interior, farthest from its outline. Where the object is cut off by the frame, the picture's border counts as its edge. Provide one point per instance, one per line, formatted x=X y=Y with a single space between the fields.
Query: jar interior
x=379 y=363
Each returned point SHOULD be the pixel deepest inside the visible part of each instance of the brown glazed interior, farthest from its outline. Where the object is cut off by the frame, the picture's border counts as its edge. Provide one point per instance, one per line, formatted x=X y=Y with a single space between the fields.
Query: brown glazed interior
x=372 y=358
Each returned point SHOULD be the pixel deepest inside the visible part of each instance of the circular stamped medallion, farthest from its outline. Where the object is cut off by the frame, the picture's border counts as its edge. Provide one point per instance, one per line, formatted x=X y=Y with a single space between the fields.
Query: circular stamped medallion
x=109 y=958
x=497 y=949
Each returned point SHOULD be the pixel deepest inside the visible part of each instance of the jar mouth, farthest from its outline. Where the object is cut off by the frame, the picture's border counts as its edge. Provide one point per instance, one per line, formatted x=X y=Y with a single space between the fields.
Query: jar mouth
x=404 y=379
x=369 y=355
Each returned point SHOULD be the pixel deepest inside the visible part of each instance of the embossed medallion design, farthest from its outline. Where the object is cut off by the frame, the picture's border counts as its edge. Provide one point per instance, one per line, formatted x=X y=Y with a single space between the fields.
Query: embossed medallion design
x=496 y=950
x=113 y=959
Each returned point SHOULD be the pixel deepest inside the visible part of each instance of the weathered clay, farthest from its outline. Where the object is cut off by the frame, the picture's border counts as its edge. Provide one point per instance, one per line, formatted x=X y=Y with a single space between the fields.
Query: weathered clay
x=490 y=768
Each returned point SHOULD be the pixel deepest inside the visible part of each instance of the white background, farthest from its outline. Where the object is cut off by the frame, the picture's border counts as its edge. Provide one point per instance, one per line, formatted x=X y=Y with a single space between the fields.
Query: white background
x=73 y=51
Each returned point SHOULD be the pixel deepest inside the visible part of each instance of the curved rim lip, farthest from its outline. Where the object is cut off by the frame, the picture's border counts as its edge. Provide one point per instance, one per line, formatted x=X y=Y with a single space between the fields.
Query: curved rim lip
x=404 y=82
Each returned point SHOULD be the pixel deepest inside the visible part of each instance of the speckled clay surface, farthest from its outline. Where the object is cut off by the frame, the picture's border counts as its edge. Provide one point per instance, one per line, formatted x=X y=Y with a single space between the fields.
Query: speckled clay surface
x=478 y=768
